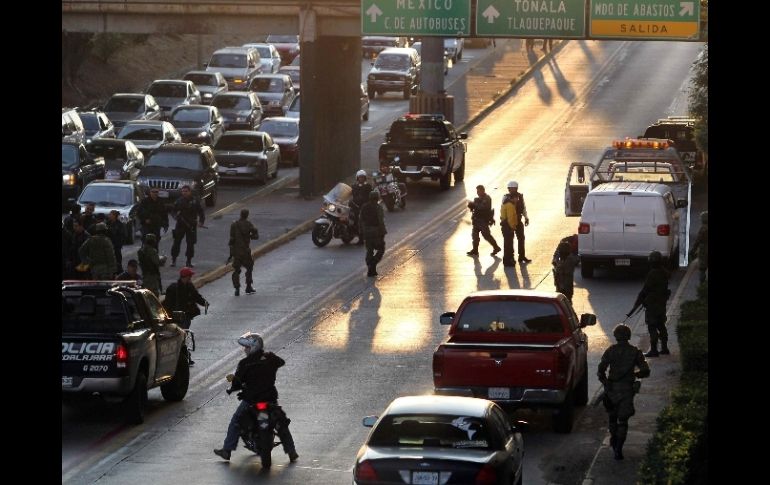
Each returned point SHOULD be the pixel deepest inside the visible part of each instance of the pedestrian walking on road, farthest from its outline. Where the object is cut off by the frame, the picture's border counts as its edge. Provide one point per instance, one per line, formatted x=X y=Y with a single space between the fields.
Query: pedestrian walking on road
x=482 y=217
x=153 y=214
x=97 y=252
x=620 y=386
x=508 y=221
x=373 y=229
x=521 y=211
x=653 y=297
x=701 y=247
x=361 y=191
x=150 y=262
x=189 y=215
x=564 y=263
x=242 y=232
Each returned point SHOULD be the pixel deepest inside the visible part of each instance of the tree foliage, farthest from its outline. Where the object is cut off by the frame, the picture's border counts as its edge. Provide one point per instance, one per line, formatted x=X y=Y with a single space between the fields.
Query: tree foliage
x=699 y=98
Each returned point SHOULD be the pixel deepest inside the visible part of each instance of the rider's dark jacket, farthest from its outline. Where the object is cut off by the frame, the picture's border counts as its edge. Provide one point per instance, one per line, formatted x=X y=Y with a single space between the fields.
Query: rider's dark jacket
x=255 y=375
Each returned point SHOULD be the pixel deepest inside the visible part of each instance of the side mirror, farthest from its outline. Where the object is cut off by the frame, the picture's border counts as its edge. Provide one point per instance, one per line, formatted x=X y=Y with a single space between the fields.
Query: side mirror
x=178 y=316
x=681 y=203
x=463 y=136
x=587 y=319
x=369 y=421
x=446 y=318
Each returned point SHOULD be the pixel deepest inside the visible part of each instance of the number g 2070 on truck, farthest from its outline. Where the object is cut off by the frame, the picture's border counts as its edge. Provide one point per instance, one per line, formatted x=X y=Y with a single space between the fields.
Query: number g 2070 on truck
x=520 y=348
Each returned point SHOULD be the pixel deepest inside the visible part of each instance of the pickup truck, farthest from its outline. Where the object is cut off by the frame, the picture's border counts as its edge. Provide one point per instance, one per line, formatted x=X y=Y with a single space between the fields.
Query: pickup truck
x=518 y=348
x=424 y=146
x=118 y=341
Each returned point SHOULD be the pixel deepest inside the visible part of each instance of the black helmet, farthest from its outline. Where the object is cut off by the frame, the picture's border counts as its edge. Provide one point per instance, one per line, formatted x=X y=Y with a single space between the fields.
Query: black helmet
x=151 y=239
x=564 y=249
x=374 y=195
x=622 y=332
x=252 y=342
x=655 y=257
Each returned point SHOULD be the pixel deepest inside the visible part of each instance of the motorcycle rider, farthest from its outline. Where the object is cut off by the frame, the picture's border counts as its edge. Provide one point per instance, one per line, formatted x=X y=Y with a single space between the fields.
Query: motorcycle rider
x=361 y=191
x=255 y=377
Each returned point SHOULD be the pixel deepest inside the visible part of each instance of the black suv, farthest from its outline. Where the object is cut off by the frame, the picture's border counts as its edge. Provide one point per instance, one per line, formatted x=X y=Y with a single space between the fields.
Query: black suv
x=175 y=165
x=396 y=69
x=424 y=146
x=680 y=129
x=78 y=169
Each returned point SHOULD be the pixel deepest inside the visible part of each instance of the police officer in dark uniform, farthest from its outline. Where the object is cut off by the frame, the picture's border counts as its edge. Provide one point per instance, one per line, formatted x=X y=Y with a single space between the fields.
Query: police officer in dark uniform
x=564 y=262
x=361 y=191
x=481 y=208
x=255 y=376
x=653 y=296
x=152 y=214
x=620 y=387
x=189 y=214
x=242 y=232
x=373 y=228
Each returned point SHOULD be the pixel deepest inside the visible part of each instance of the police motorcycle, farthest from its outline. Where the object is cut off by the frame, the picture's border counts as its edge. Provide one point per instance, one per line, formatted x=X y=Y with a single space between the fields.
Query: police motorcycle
x=392 y=192
x=337 y=219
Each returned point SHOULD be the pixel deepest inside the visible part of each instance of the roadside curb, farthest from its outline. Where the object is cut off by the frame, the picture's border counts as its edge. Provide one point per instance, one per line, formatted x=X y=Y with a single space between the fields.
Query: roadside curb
x=267 y=190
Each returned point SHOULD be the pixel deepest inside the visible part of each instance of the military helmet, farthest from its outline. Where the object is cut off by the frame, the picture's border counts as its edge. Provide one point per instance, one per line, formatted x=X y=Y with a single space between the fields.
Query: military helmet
x=704 y=217
x=513 y=184
x=655 y=257
x=374 y=195
x=150 y=238
x=100 y=228
x=252 y=342
x=622 y=332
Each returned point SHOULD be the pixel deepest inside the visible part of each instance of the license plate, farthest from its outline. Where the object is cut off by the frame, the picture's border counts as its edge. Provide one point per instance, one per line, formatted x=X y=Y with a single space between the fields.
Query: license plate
x=499 y=393
x=622 y=262
x=112 y=175
x=424 y=478
x=163 y=194
x=411 y=168
x=66 y=381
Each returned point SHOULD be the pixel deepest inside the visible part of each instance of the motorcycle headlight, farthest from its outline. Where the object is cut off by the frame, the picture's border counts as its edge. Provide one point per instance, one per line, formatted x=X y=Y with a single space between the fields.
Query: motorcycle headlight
x=331 y=207
x=68 y=179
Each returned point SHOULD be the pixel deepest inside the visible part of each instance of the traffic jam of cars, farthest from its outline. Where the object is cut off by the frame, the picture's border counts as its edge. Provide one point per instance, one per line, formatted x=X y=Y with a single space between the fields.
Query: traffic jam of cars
x=237 y=119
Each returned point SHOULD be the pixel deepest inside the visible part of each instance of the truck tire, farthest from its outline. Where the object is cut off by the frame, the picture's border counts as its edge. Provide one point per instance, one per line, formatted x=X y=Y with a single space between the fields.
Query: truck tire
x=581 y=390
x=586 y=269
x=446 y=181
x=565 y=415
x=176 y=389
x=460 y=173
x=137 y=400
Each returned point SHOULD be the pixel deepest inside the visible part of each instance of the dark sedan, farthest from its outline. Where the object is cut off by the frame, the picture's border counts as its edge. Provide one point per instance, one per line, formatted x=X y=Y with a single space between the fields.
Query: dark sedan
x=247 y=154
x=122 y=159
x=241 y=111
x=441 y=440
x=285 y=132
x=124 y=107
x=197 y=123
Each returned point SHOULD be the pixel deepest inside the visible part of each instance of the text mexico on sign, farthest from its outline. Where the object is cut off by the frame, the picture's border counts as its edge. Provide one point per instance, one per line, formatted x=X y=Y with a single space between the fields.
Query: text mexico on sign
x=447 y=18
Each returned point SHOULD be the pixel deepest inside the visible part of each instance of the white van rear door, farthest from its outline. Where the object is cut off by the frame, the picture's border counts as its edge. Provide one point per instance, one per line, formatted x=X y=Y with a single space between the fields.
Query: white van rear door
x=641 y=216
x=576 y=190
x=605 y=215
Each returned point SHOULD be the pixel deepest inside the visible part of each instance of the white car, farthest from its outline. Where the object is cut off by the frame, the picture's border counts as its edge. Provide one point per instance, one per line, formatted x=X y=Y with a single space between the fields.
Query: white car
x=268 y=57
x=123 y=196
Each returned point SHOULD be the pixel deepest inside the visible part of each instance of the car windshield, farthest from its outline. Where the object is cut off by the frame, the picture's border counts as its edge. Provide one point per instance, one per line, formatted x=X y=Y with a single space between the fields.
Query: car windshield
x=141 y=133
x=240 y=143
x=69 y=156
x=432 y=431
x=295 y=62
x=232 y=103
x=267 y=85
x=95 y=313
x=106 y=195
x=196 y=116
x=167 y=90
x=228 y=60
x=125 y=105
x=113 y=151
x=391 y=61
x=424 y=132
x=90 y=122
x=202 y=79
x=510 y=316
x=282 y=39
x=264 y=53
x=169 y=159
x=284 y=129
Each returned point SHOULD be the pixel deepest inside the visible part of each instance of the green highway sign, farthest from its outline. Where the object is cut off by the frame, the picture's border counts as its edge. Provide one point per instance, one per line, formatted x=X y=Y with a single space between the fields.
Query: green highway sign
x=531 y=18
x=446 y=18
x=645 y=19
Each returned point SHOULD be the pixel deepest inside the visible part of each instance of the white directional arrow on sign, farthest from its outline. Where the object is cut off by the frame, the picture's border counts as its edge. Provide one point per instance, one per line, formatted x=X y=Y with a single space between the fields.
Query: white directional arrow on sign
x=687 y=7
x=491 y=14
x=373 y=12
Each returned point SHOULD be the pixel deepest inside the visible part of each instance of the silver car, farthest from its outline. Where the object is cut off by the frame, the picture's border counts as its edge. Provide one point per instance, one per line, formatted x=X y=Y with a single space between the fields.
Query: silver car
x=124 y=107
x=268 y=56
x=149 y=135
x=170 y=93
x=123 y=196
x=208 y=83
x=247 y=154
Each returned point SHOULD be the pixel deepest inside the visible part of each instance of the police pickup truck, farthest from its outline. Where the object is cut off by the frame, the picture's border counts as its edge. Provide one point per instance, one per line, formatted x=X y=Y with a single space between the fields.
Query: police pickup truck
x=118 y=341
x=424 y=146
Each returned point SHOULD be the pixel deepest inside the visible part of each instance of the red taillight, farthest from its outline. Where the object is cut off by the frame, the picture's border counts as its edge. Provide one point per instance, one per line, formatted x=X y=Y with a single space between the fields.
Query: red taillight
x=365 y=472
x=261 y=406
x=121 y=356
x=438 y=364
x=562 y=367
x=487 y=476
x=584 y=228
x=664 y=230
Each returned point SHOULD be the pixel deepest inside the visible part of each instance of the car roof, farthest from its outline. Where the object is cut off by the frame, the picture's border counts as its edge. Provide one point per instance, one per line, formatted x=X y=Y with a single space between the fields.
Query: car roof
x=637 y=188
x=271 y=76
x=232 y=50
x=171 y=81
x=532 y=293
x=196 y=106
x=238 y=94
x=112 y=182
x=432 y=404
x=190 y=147
x=154 y=123
x=281 y=118
x=129 y=95
x=398 y=50
x=243 y=133
x=207 y=73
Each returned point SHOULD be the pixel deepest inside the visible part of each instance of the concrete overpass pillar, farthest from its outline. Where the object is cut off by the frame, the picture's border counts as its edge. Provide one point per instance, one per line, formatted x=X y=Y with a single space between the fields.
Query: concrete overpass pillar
x=330 y=124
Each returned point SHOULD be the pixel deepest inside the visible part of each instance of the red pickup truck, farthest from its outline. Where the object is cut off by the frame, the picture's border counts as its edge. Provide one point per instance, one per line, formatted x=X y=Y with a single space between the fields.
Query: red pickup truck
x=520 y=348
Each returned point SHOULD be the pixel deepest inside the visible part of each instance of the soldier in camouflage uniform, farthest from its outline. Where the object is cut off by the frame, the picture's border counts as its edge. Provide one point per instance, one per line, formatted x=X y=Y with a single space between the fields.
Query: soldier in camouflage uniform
x=619 y=387
x=482 y=218
x=150 y=262
x=701 y=246
x=99 y=254
x=564 y=262
x=653 y=296
x=242 y=232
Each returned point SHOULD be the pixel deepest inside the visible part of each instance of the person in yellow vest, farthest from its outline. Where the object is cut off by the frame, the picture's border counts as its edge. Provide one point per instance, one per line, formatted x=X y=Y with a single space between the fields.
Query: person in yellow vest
x=508 y=221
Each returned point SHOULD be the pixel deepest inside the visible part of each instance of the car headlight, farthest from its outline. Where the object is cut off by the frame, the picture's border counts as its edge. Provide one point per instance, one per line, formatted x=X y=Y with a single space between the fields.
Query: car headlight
x=238 y=81
x=208 y=95
x=68 y=179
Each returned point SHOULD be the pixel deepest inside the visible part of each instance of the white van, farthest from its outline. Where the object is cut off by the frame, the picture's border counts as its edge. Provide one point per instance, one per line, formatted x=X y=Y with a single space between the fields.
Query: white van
x=622 y=222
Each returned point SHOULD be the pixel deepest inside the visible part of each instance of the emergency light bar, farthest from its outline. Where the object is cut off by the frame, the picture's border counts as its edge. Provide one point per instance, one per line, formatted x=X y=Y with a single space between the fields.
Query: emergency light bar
x=654 y=143
x=104 y=283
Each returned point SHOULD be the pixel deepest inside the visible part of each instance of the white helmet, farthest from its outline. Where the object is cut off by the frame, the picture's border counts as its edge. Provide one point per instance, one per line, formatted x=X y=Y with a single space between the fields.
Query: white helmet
x=252 y=342
x=361 y=173
x=513 y=184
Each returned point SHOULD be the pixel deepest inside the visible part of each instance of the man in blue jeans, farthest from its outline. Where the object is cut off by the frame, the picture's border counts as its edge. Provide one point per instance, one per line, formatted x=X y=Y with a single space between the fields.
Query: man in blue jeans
x=255 y=377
